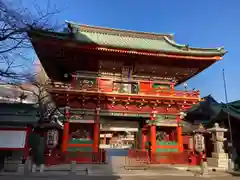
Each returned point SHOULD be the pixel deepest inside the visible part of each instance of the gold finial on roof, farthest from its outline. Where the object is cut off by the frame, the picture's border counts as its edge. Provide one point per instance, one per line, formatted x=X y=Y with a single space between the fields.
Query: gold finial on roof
x=201 y=126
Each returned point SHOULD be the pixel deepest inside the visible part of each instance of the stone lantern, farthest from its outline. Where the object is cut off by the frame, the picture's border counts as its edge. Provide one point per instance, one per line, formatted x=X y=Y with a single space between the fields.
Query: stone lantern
x=219 y=157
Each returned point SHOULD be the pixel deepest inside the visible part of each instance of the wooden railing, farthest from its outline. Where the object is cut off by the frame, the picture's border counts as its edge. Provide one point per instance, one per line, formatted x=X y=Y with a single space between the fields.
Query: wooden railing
x=138 y=158
x=110 y=89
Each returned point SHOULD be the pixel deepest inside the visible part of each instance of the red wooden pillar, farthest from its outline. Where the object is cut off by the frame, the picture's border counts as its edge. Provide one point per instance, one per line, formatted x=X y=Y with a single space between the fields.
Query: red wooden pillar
x=144 y=138
x=179 y=134
x=96 y=130
x=153 y=133
x=26 y=147
x=74 y=79
x=105 y=139
x=66 y=130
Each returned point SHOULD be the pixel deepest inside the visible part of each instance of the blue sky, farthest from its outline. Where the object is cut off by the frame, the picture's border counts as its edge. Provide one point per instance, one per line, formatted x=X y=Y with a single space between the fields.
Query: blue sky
x=205 y=23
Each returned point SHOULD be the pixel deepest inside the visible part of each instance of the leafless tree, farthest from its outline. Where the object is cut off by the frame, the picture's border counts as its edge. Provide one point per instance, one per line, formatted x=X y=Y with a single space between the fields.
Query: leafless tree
x=14 y=42
x=33 y=91
x=15 y=48
x=37 y=85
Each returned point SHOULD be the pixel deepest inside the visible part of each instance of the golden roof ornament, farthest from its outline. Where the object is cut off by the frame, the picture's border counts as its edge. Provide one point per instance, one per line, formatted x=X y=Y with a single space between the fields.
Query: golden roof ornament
x=200 y=129
x=201 y=126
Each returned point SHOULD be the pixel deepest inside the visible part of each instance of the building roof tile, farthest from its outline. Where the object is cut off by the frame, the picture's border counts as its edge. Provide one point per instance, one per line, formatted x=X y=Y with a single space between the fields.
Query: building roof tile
x=126 y=39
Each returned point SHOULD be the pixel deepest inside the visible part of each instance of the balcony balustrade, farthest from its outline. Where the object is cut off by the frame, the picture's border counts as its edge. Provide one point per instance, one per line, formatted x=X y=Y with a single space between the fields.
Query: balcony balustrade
x=113 y=90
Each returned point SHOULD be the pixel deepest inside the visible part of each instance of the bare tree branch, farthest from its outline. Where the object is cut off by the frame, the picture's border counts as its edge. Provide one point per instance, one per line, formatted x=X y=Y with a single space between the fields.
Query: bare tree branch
x=38 y=86
x=14 y=24
x=14 y=49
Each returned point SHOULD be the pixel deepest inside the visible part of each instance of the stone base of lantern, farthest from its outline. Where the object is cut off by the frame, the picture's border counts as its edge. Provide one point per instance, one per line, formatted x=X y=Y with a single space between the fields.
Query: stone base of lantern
x=219 y=160
x=220 y=155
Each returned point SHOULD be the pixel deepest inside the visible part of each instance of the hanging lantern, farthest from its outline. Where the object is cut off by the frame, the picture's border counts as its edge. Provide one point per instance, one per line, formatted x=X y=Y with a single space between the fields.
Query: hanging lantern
x=52 y=138
x=182 y=115
x=113 y=104
x=98 y=103
x=199 y=142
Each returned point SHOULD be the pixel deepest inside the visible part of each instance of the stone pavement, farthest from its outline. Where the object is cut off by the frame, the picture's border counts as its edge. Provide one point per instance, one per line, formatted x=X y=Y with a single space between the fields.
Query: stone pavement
x=116 y=168
x=137 y=177
x=105 y=170
x=198 y=168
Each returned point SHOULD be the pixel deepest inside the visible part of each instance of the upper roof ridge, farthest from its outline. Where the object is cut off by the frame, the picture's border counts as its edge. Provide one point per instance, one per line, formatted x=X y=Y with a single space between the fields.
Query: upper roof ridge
x=118 y=32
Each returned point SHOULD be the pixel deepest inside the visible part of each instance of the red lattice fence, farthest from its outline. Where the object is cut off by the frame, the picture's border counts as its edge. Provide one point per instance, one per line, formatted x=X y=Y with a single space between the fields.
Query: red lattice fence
x=141 y=158
x=137 y=159
x=170 y=158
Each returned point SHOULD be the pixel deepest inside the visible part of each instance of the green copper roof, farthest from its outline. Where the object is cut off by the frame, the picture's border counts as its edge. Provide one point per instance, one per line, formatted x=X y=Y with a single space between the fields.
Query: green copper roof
x=124 y=39
x=18 y=114
x=136 y=40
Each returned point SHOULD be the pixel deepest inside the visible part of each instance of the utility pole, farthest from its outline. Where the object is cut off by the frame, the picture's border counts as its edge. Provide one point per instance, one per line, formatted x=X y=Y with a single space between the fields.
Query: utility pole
x=230 y=141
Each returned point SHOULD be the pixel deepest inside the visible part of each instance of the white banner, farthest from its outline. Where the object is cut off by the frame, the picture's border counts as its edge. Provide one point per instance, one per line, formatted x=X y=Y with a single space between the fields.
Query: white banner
x=12 y=139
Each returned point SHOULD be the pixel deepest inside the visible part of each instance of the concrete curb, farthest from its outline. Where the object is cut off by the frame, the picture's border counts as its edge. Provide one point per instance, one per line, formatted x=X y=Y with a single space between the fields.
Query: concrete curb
x=196 y=168
x=234 y=173
x=211 y=175
x=60 y=174
x=120 y=174
x=43 y=175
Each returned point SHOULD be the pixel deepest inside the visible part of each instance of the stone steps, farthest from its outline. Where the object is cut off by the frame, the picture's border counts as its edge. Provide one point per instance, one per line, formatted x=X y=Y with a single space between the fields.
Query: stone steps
x=220 y=155
x=11 y=165
x=221 y=163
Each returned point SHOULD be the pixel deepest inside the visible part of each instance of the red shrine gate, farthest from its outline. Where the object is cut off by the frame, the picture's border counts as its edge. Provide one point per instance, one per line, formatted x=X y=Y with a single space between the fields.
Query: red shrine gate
x=106 y=73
